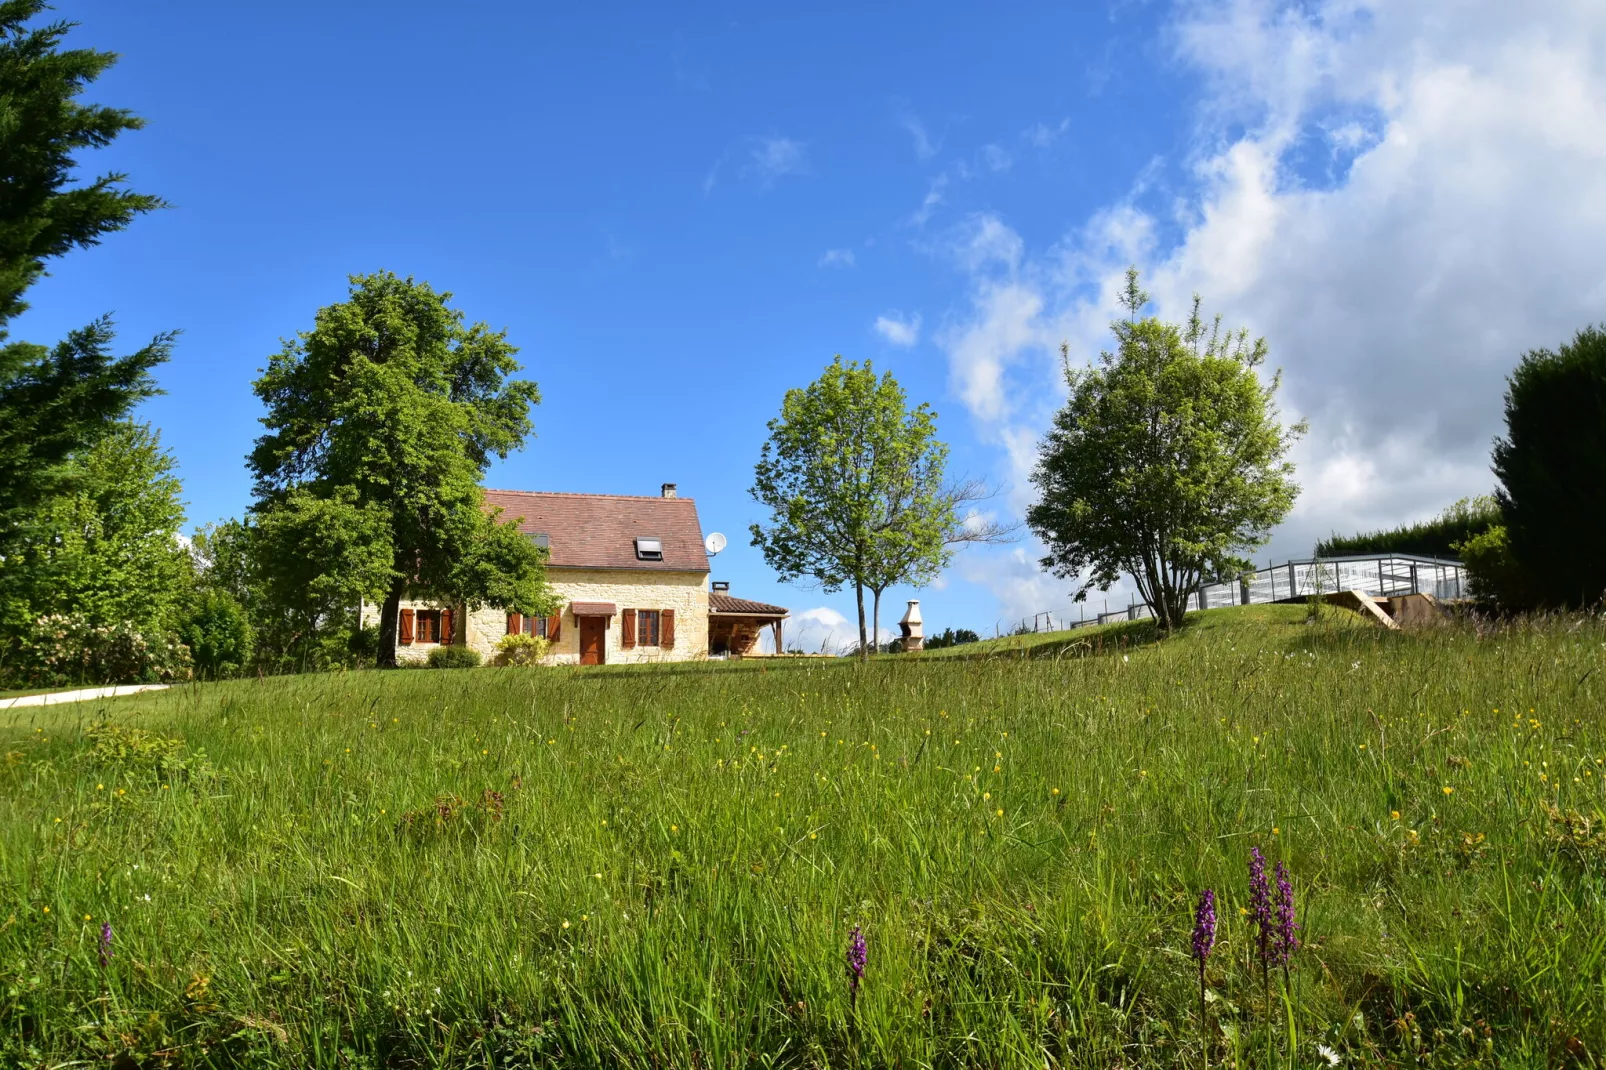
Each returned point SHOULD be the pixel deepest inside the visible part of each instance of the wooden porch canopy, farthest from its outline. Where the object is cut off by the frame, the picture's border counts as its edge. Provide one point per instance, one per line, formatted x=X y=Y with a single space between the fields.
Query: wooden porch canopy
x=734 y=623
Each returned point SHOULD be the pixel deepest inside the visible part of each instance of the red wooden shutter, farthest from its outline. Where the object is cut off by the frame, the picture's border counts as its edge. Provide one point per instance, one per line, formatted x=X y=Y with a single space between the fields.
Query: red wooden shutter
x=666 y=629
x=448 y=629
x=627 y=629
x=554 y=626
x=404 y=631
x=513 y=624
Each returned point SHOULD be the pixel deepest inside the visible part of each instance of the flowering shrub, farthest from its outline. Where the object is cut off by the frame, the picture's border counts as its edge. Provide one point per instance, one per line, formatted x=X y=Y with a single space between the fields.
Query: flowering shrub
x=70 y=650
x=519 y=649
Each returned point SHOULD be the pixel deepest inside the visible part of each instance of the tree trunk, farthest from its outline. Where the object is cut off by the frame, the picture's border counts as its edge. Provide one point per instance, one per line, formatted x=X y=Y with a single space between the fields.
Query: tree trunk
x=858 y=595
x=389 y=616
x=875 y=622
x=1162 y=597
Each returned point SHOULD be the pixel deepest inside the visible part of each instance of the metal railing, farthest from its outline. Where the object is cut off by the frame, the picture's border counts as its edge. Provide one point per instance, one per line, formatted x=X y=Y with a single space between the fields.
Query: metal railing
x=1377 y=575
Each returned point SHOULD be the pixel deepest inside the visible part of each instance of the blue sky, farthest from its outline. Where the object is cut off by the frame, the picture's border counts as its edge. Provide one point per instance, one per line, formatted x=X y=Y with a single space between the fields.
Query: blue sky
x=677 y=215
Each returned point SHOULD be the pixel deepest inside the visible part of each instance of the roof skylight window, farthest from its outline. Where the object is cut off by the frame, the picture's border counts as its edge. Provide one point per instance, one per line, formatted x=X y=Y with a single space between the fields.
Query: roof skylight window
x=649 y=550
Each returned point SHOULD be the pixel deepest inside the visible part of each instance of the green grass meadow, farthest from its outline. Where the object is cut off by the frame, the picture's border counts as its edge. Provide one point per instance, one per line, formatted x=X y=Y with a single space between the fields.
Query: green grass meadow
x=660 y=866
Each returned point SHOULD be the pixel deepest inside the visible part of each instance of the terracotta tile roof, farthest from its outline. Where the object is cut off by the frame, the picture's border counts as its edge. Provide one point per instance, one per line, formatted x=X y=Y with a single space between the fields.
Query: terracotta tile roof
x=599 y=530
x=593 y=609
x=720 y=602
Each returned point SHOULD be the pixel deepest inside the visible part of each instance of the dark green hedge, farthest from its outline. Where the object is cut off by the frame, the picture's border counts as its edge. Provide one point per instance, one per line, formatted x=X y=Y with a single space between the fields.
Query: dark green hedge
x=1466 y=519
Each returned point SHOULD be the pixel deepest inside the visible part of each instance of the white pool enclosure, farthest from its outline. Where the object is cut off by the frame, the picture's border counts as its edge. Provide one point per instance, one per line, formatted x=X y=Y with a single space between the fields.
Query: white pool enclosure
x=1376 y=575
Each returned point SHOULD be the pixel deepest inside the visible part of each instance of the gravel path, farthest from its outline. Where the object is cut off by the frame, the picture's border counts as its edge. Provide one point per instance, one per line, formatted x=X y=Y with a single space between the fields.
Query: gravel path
x=83 y=695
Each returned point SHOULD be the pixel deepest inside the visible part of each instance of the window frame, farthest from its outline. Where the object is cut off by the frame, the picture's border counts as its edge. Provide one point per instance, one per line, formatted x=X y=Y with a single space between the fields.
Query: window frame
x=642 y=616
x=427 y=622
x=534 y=626
x=643 y=554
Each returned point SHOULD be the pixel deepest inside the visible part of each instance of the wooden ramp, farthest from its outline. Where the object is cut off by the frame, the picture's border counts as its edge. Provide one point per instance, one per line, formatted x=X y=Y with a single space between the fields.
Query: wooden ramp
x=1391 y=612
x=1364 y=604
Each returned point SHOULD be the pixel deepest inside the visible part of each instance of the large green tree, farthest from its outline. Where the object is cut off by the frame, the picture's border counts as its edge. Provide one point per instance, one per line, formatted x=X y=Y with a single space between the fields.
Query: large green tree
x=854 y=482
x=382 y=420
x=103 y=553
x=1552 y=470
x=55 y=401
x=1166 y=462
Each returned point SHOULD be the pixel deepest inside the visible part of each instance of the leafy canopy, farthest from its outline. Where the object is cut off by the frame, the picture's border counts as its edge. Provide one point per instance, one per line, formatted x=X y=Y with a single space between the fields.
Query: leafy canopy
x=381 y=423
x=1166 y=460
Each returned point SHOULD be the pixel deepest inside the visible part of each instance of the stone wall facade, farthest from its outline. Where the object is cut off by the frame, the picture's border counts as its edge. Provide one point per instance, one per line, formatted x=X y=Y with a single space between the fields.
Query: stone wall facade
x=684 y=592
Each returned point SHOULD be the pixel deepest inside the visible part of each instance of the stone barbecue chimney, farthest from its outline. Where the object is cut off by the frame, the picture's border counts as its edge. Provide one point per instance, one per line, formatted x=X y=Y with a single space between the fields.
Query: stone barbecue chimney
x=914 y=635
x=669 y=490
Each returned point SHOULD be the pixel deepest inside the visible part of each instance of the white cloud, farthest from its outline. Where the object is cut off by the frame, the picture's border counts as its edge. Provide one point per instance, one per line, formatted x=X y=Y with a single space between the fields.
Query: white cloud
x=818 y=630
x=996 y=158
x=932 y=200
x=898 y=330
x=774 y=157
x=925 y=149
x=1041 y=135
x=837 y=258
x=711 y=179
x=822 y=630
x=1402 y=198
x=766 y=159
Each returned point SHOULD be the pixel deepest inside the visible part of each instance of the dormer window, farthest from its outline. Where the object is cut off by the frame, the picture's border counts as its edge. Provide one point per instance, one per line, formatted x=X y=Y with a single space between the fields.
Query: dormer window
x=649 y=550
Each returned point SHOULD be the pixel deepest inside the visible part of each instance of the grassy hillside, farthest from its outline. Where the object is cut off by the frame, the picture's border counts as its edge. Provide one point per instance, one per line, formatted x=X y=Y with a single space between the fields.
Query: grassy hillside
x=662 y=866
x=1273 y=623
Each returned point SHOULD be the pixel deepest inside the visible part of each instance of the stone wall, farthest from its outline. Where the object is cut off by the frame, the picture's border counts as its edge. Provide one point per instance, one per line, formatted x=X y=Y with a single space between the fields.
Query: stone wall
x=684 y=592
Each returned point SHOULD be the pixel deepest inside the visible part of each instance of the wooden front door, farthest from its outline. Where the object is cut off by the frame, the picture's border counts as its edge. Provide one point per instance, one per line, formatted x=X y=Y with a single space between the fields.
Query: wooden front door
x=593 y=640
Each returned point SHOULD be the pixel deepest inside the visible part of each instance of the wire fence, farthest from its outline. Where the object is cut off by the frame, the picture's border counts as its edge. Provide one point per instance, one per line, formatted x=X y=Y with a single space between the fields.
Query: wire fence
x=1380 y=576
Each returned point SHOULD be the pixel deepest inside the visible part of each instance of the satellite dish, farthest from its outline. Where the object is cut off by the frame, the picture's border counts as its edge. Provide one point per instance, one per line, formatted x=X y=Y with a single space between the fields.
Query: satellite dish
x=714 y=543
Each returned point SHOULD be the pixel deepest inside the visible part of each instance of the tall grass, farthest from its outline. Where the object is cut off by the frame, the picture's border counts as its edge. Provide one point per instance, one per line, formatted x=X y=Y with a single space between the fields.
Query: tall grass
x=661 y=866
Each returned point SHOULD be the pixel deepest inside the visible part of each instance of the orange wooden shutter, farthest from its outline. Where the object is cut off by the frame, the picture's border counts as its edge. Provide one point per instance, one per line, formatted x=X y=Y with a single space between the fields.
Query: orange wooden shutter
x=627 y=628
x=448 y=629
x=513 y=623
x=554 y=626
x=404 y=631
x=666 y=629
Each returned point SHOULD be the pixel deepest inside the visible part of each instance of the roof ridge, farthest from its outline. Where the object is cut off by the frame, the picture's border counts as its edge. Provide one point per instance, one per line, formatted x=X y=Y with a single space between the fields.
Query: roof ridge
x=588 y=494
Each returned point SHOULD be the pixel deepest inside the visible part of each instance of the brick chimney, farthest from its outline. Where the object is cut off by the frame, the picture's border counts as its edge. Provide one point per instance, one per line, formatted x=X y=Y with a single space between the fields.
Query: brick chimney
x=669 y=490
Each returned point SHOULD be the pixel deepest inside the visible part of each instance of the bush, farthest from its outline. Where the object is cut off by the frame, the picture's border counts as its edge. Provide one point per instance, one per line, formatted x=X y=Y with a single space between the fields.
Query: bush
x=363 y=646
x=1494 y=577
x=1552 y=470
x=454 y=657
x=520 y=649
x=218 y=634
x=69 y=650
x=143 y=752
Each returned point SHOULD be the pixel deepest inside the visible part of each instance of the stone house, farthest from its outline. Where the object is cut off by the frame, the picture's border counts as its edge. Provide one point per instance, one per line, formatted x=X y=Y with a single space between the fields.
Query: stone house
x=631 y=577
